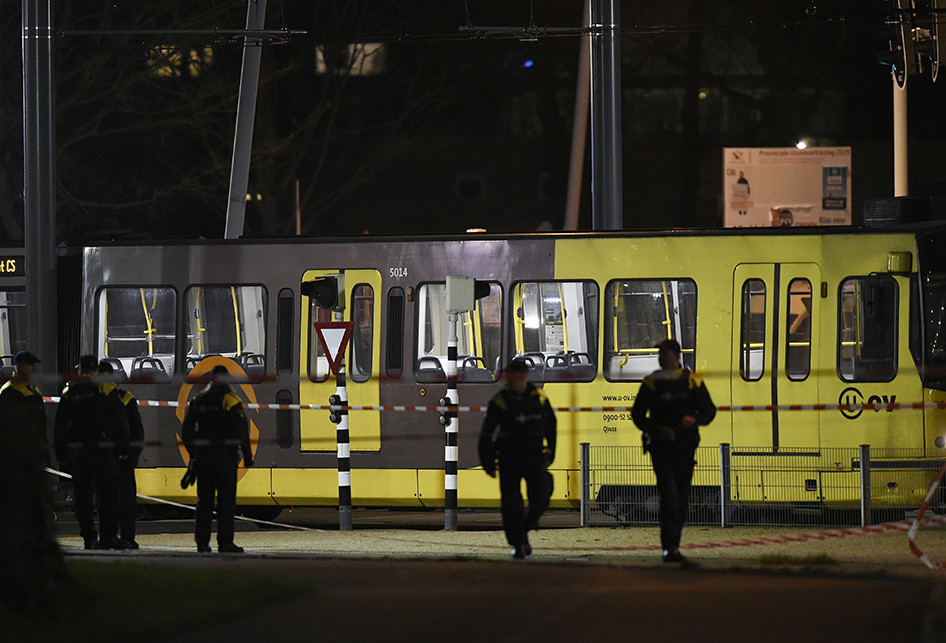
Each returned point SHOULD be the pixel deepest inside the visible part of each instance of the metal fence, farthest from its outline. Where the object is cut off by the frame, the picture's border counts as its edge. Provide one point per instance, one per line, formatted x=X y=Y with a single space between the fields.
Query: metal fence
x=742 y=485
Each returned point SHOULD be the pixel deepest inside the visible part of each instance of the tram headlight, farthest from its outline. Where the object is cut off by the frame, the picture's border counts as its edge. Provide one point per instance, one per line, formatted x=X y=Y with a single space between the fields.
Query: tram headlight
x=940 y=441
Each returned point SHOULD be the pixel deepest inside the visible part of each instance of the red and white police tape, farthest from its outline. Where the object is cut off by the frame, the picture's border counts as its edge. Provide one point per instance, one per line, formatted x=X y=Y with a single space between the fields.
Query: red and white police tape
x=866 y=406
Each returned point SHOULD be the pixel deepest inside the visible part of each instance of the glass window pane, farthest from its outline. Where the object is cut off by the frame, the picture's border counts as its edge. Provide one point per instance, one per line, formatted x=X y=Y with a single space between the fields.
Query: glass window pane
x=557 y=329
x=642 y=313
x=318 y=362
x=479 y=336
x=752 y=342
x=867 y=336
x=228 y=321
x=362 y=334
x=136 y=327
x=12 y=324
x=798 y=354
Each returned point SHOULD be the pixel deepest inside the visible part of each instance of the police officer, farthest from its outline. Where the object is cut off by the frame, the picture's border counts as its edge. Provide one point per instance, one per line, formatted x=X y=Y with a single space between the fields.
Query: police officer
x=128 y=493
x=214 y=431
x=520 y=431
x=90 y=436
x=32 y=568
x=670 y=407
x=22 y=404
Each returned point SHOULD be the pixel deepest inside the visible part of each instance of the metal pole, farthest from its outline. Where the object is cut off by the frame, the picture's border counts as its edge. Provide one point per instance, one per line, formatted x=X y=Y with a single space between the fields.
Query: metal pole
x=901 y=169
x=579 y=129
x=865 y=485
x=585 y=466
x=246 y=116
x=451 y=428
x=39 y=172
x=725 y=483
x=343 y=440
x=606 y=164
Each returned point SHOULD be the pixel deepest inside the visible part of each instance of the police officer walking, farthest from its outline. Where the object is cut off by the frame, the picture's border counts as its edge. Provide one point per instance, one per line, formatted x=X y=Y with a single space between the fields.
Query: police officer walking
x=128 y=492
x=520 y=431
x=670 y=407
x=214 y=432
x=90 y=436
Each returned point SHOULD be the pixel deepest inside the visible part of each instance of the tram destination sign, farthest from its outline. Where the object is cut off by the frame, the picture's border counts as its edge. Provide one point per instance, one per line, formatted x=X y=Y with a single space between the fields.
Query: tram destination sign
x=12 y=265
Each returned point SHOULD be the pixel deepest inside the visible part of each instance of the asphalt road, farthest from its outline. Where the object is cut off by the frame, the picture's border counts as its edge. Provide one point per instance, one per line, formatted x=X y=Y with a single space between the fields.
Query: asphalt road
x=399 y=577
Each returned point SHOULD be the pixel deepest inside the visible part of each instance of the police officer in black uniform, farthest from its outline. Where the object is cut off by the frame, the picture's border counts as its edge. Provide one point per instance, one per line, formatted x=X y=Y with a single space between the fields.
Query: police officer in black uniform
x=214 y=432
x=520 y=431
x=669 y=409
x=128 y=494
x=22 y=404
x=32 y=569
x=90 y=436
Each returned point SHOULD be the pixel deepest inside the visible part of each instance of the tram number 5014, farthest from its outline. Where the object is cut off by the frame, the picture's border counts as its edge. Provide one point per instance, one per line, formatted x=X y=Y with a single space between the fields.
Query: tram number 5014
x=397 y=272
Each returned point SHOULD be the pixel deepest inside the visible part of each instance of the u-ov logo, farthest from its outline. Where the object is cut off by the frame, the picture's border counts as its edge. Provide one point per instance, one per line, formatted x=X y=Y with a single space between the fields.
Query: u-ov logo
x=851 y=402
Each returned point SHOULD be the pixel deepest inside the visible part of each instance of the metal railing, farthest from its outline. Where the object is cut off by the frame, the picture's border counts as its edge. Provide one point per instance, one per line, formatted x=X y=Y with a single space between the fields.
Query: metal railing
x=753 y=485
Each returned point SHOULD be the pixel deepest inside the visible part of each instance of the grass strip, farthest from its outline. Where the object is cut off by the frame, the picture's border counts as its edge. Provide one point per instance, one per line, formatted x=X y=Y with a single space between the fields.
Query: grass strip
x=112 y=601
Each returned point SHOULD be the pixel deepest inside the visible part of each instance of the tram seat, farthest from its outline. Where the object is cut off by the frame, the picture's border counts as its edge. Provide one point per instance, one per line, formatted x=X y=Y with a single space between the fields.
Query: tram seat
x=119 y=374
x=190 y=361
x=429 y=369
x=148 y=368
x=254 y=364
x=580 y=367
x=473 y=369
x=536 y=365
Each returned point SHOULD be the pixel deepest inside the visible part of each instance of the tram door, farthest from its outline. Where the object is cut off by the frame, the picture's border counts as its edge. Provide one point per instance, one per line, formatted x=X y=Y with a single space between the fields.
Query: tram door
x=775 y=356
x=317 y=432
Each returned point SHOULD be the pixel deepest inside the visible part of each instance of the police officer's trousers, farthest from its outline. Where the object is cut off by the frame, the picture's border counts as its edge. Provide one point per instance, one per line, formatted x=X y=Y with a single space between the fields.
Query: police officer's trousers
x=673 y=465
x=95 y=471
x=216 y=475
x=517 y=520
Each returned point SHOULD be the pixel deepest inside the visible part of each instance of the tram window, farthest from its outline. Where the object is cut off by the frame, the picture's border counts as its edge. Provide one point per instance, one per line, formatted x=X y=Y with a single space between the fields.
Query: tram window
x=798 y=329
x=556 y=329
x=228 y=321
x=284 y=332
x=12 y=326
x=362 y=336
x=642 y=313
x=318 y=360
x=752 y=333
x=479 y=336
x=394 y=337
x=136 y=326
x=867 y=329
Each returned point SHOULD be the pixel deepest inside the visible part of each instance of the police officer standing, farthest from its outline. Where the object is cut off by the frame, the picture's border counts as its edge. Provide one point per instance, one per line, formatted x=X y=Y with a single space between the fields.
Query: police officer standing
x=90 y=436
x=670 y=407
x=128 y=493
x=22 y=404
x=214 y=432
x=520 y=431
x=32 y=569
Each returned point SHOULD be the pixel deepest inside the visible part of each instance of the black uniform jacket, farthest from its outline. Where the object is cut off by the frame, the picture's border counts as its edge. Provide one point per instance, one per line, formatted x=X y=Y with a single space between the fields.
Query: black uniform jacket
x=515 y=427
x=90 y=416
x=665 y=397
x=215 y=423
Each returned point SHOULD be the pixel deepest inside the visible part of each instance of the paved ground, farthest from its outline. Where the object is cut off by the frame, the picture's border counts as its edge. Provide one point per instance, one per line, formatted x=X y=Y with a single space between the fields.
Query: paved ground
x=399 y=575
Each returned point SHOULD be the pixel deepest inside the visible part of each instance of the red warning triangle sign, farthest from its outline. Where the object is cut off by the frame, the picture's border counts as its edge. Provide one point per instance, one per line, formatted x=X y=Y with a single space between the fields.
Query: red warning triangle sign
x=333 y=337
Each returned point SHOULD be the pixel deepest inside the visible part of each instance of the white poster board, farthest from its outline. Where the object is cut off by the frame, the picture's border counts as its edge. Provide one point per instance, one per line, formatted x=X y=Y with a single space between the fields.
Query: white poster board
x=786 y=186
